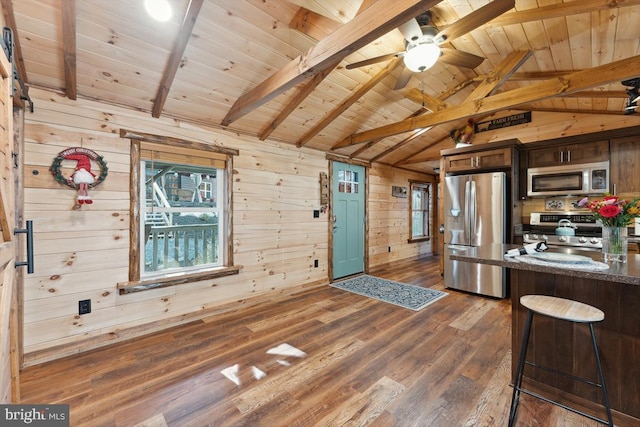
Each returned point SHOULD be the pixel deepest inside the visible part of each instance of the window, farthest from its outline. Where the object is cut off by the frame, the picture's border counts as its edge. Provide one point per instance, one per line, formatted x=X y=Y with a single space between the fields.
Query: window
x=347 y=181
x=181 y=222
x=420 y=211
x=183 y=231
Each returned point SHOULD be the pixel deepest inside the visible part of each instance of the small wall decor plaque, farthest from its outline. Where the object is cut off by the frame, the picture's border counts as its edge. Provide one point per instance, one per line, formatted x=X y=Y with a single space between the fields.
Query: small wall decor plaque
x=82 y=178
x=397 y=191
x=554 y=205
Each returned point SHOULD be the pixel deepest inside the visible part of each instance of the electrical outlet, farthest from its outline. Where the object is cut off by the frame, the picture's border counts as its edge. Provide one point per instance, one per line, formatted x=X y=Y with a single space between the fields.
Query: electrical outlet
x=316 y=213
x=84 y=306
x=315 y=263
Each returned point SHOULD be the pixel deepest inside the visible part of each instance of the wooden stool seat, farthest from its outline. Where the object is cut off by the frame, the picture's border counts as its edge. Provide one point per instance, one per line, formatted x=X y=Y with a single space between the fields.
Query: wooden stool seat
x=561 y=308
x=566 y=310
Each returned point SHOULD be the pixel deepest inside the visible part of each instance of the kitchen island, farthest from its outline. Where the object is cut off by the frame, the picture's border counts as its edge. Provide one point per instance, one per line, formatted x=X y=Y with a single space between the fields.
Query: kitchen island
x=567 y=346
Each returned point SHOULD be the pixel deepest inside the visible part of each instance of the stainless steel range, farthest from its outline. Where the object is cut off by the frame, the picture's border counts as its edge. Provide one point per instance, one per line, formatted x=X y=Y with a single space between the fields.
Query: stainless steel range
x=583 y=233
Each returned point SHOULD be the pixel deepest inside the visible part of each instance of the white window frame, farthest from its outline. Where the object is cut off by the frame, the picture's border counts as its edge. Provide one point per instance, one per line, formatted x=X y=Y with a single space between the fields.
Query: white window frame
x=426 y=209
x=218 y=210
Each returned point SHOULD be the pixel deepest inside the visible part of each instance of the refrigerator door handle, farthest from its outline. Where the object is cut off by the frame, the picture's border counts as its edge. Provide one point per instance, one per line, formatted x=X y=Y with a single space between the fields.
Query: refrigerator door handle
x=467 y=210
x=473 y=207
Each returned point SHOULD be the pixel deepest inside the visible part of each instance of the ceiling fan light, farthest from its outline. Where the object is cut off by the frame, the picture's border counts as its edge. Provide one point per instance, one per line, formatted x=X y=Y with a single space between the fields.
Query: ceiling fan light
x=160 y=10
x=421 y=57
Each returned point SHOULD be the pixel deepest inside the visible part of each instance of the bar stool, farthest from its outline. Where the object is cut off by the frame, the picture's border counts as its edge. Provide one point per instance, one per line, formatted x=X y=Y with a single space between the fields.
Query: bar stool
x=571 y=311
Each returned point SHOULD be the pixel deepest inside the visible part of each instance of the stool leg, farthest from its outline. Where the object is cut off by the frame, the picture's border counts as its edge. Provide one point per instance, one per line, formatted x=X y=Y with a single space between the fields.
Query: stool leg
x=515 y=398
x=605 y=395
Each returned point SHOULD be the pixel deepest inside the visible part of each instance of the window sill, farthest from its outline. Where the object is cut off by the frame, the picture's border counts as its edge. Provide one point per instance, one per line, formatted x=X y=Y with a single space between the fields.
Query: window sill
x=419 y=239
x=163 y=282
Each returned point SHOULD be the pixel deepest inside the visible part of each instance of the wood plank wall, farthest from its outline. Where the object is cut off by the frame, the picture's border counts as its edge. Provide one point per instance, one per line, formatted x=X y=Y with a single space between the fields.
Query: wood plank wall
x=83 y=253
x=389 y=215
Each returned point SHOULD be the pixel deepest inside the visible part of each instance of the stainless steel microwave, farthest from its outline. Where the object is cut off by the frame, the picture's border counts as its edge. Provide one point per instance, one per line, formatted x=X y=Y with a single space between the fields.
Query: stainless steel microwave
x=569 y=180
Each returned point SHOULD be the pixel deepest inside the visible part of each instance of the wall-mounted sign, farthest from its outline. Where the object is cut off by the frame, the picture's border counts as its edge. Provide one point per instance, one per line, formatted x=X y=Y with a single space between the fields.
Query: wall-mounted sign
x=397 y=191
x=503 y=122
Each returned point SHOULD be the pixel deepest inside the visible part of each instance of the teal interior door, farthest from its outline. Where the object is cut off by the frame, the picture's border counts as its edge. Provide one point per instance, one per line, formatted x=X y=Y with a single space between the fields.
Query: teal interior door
x=348 y=219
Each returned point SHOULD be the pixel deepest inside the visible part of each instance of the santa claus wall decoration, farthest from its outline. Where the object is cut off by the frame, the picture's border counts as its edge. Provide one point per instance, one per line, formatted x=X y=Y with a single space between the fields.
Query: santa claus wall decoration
x=82 y=177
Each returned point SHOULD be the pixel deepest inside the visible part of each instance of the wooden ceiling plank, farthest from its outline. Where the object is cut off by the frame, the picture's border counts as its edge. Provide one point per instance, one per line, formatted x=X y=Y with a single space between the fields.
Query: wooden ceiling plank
x=375 y=141
x=312 y=24
x=69 y=47
x=558 y=10
x=193 y=9
x=598 y=94
x=352 y=99
x=403 y=78
x=573 y=82
x=416 y=133
x=10 y=21
x=499 y=75
x=317 y=27
x=375 y=21
x=294 y=102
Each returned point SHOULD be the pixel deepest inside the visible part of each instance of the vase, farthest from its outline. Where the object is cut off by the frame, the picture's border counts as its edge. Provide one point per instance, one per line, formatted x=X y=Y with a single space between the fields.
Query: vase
x=614 y=244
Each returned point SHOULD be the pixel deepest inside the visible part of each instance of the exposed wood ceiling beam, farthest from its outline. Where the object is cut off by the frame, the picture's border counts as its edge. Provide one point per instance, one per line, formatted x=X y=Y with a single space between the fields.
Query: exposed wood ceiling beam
x=430 y=102
x=416 y=133
x=407 y=161
x=536 y=75
x=573 y=82
x=419 y=97
x=352 y=99
x=69 y=47
x=294 y=102
x=10 y=21
x=493 y=81
x=414 y=158
x=365 y=4
x=570 y=110
x=558 y=10
x=375 y=21
x=375 y=141
x=184 y=34
x=317 y=27
x=499 y=75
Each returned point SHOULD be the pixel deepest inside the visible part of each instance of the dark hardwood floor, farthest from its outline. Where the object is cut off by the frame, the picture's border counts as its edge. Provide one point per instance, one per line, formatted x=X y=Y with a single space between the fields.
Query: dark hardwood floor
x=366 y=363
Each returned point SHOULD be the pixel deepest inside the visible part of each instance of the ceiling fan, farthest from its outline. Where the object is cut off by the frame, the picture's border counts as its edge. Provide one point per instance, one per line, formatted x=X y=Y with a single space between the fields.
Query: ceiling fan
x=424 y=42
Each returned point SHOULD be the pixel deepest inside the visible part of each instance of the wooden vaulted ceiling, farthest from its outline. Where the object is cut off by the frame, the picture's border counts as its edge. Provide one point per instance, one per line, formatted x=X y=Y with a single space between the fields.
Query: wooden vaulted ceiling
x=277 y=69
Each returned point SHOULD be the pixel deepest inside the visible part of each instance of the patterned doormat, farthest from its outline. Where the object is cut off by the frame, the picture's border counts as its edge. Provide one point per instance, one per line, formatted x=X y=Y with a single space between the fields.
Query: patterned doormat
x=407 y=296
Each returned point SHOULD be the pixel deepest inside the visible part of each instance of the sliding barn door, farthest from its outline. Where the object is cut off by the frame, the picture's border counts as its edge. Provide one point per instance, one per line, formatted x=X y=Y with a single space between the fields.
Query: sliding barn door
x=9 y=325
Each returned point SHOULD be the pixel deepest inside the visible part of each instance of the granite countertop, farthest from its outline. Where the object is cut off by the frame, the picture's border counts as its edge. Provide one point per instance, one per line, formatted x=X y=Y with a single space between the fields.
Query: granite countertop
x=493 y=254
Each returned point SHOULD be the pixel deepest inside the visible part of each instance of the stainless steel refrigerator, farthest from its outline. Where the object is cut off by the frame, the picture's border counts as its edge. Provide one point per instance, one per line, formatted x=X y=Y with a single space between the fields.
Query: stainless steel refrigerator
x=474 y=215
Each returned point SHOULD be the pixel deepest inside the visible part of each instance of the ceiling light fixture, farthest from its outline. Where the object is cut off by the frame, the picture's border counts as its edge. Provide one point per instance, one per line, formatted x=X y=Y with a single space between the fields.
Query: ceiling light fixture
x=160 y=10
x=421 y=56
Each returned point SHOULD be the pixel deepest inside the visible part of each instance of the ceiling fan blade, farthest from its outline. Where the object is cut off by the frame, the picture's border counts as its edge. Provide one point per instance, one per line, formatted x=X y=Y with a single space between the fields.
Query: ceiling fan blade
x=411 y=30
x=460 y=58
x=403 y=78
x=375 y=60
x=474 y=20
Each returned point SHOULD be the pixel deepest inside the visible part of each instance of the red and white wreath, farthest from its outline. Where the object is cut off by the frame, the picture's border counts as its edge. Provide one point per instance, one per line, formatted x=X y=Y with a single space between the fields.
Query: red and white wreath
x=82 y=177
